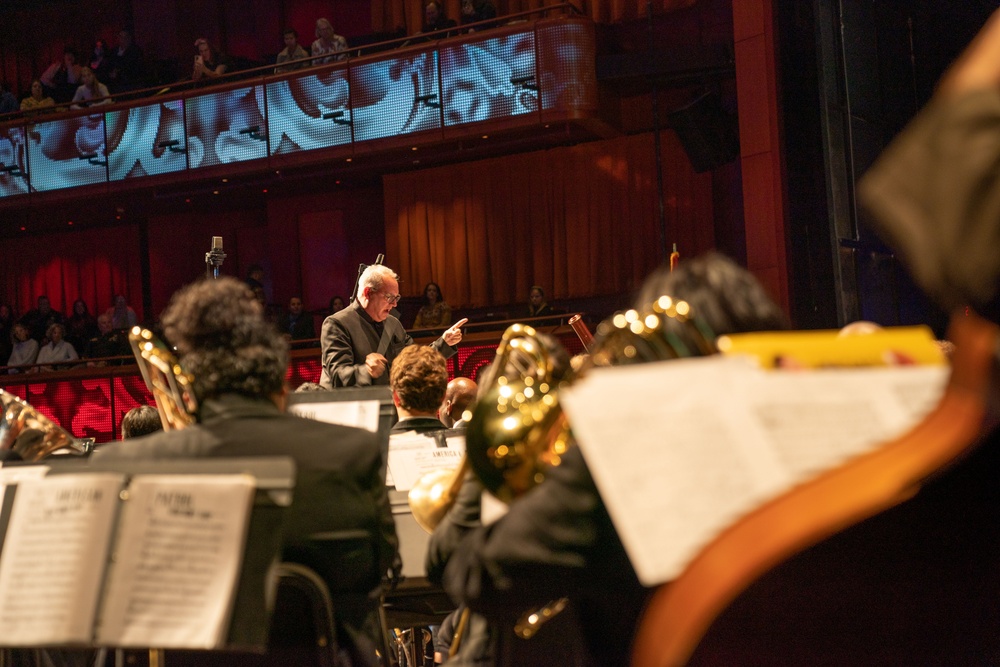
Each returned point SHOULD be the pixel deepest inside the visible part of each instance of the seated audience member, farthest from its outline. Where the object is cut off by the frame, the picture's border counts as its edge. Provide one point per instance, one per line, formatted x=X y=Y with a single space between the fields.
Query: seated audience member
x=352 y=338
x=557 y=539
x=208 y=63
x=292 y=51
x=329 y=46
x=255 y=276
x=62 y=78
x=435 y=312
x=459 y=397
x=140 y=421
x=296 y=324
x=90 y=89
x=8 y=101
x=122 y=315
x=39 y=319
x=126 y=64
x=537 y=305
x=81 y=326
x=418 y=381
x=474 y=11
x=37 y=100
x=100 y=60
x=336 y=304
x=238 y=362
x=7 y=320
x=25 y=349
x=109 y=342
x=56 y=350
x=434 y=18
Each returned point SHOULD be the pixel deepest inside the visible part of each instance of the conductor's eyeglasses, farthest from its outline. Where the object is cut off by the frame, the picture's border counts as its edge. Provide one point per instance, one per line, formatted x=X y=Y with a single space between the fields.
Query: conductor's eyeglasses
x=392 y=298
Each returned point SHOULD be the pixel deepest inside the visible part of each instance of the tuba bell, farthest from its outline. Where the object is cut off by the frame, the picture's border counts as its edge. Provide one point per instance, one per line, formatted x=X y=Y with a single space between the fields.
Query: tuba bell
x=33 y=436
x=170 y=384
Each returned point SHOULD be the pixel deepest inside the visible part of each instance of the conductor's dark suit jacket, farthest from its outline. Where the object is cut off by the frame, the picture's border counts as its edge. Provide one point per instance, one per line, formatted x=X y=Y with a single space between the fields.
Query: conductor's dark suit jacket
x=339 y=488
x=349 y=336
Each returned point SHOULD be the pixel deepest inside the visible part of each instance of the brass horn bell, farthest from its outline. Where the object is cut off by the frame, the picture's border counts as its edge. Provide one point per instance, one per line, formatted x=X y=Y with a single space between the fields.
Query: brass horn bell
x=33 y=436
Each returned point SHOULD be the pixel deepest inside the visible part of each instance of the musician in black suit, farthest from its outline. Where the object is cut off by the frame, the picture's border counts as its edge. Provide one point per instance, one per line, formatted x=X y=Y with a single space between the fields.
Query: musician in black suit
x=360 y=342
x=418 y=381
x=238 y=361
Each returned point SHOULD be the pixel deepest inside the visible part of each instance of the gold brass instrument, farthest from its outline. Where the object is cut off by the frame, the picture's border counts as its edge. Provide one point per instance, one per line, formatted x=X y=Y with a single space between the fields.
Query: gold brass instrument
x=170 y=385
x=32 y=435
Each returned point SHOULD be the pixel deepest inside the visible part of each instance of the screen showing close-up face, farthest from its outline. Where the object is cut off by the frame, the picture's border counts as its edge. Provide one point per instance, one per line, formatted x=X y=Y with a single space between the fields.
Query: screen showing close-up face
x=309 y=111
x=397 y=96
x=13 y=162
x=489 y=79
x=146 y=140
x=66 y=153
x=226 y=127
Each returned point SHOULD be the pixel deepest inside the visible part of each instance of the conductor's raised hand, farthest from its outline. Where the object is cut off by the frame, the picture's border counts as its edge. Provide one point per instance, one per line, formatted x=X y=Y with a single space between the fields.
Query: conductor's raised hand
x=375 y=363
x=453 y=335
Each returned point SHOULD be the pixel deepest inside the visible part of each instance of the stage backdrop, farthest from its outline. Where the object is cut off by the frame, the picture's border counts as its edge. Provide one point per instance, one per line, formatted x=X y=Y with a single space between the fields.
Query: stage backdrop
x=580 y=221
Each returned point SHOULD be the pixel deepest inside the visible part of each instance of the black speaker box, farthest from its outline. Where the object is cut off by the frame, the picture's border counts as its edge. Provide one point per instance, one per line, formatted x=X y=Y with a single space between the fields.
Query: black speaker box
x=709 y=134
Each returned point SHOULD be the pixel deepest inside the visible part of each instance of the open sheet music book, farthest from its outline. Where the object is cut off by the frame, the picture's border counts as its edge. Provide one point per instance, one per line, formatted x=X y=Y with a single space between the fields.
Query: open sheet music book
x=681 y=449
x=92 y=559
x=412 y=455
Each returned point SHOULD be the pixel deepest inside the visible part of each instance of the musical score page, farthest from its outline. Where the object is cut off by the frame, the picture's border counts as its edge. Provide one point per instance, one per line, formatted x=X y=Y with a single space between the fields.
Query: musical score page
x=360 y=414
x=177 y=561
x=681 y=449
x=413 y=455
x=53 y=555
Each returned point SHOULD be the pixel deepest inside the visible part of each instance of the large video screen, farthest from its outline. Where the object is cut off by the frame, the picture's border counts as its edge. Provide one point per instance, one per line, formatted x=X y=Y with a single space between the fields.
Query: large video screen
x=13 y=162
x=226 y=127
x=146 y=140
x=489 y=79
x=67 y=153
x=309 y=112
x=566 y=62
x=397 y=96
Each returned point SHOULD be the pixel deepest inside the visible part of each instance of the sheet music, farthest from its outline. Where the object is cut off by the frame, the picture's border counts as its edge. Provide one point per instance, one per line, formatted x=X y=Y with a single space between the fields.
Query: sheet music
x=53 y=556
x=179 y=550
x=361 y=414
x=681 y=449
x=413 y=455
x=12 y=475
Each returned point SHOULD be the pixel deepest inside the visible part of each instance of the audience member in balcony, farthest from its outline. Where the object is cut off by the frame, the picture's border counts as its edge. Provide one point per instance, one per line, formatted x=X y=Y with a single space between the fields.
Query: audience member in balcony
x=81 y=325
x=62 y=78
x=39 y=319
x=537 y=305
x=56 y=350
x=126 y=64
x=255 y=277
x=25 y=349
x=329 y=46
x=434 y=18
x=336 y=305
x=107 y=343
x=37 y=99
x=140 y=421
x=292 y=51
x=100 y=60
x=122 y=317
x=296 y=324
x=208 y=63
x=474 y=11
x=90 y=89
x=8 y=102
x=6 y=331
x=435 y=312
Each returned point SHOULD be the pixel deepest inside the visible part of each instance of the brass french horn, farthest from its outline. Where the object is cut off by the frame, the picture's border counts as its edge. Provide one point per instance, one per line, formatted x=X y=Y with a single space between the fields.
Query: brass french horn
x=33 y=436
x=170 y=385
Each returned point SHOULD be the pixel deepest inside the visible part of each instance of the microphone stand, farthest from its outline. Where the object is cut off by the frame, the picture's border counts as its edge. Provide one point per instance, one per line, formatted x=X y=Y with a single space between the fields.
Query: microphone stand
x=213 y=262
x=361 y=269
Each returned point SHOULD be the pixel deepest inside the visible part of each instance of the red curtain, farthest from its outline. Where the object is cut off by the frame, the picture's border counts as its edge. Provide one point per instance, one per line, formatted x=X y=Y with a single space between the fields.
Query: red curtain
x=580 y=221
x=92 y=264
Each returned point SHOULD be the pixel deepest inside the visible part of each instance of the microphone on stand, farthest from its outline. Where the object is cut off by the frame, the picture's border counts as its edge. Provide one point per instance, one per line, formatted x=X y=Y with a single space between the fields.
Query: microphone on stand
x=361 y=269
x=214 y=257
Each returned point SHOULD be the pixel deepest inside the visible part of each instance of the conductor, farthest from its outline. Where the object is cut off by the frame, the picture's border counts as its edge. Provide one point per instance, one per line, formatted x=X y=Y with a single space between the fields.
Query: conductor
x=360 y=342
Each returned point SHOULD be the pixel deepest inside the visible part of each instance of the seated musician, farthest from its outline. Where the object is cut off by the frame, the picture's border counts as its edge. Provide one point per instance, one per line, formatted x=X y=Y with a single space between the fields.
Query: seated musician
x=418 y=381
x=239 y=362
x=557 y=540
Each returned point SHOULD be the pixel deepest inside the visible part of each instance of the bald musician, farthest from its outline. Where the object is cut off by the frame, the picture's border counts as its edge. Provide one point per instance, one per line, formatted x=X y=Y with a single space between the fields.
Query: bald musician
x=360 y=342
x=458 y=397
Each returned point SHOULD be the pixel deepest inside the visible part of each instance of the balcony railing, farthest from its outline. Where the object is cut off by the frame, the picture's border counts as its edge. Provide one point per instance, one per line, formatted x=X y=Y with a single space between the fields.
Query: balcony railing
x=516 y=76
